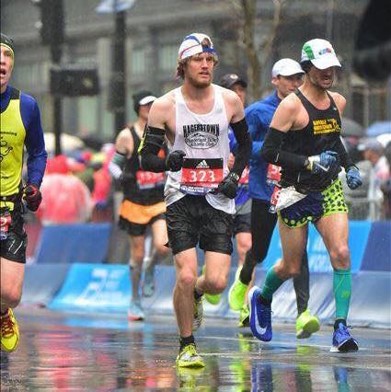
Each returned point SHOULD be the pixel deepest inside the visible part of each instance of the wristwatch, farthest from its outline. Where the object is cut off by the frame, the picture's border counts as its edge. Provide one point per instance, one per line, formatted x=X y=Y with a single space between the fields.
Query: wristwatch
x=235 y=176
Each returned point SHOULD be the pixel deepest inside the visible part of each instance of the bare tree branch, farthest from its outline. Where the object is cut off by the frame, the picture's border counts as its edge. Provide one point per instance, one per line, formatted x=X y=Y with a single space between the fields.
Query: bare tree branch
x=247 y=9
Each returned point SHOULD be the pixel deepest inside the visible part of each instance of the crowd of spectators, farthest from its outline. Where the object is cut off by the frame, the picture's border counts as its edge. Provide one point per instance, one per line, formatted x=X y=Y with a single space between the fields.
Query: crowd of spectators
x=372 y=200
x=78 y=187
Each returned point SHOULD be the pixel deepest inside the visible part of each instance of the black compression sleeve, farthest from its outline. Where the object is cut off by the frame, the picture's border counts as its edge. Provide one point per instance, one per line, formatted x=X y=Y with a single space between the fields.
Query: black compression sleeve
x=242 y=136
x=272 y=152
x=343 y=155
x=150 y=146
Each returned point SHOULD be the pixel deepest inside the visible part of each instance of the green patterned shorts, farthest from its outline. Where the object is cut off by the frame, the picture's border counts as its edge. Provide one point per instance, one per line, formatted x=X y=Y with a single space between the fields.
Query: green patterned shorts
x=315 y=205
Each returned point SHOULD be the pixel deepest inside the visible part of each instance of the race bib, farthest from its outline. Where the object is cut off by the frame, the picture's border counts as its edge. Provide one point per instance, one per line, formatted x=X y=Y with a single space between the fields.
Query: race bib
x=149 y=180
x=200 y=176
x=5 y=223
x=274 y=199
x=244 y=177
x=273 y=174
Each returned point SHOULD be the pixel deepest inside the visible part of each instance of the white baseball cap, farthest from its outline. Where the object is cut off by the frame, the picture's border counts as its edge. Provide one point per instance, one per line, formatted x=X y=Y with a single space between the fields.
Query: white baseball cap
x=195 y=43
x=286 y=67
x=320 y=53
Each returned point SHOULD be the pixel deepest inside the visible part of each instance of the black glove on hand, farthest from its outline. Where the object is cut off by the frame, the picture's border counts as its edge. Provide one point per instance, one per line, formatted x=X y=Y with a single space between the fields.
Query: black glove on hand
x=33 y=197
x=124 y=178
x=229 y=185
x=174 y=161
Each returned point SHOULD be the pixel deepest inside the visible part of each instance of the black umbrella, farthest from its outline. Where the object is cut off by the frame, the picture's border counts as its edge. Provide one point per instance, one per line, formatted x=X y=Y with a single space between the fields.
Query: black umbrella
x=352 y=128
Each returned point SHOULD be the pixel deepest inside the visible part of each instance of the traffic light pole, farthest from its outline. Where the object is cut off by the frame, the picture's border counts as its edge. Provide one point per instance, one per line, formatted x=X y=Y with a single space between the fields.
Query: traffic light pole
x=118 y=72
x=52 y=35
x=56 y=54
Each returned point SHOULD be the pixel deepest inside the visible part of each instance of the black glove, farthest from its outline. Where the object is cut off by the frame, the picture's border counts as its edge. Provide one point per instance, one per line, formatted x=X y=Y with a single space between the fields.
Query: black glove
x=324 y=179
x=33 y=197
x=229 y=185
x=125 y=177
x=174 y=161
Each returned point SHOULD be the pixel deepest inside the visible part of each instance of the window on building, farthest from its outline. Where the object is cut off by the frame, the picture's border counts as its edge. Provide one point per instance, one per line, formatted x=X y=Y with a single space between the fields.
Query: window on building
x=167 y=58
x=32 y=78
x=87 y=118
x=138 y=61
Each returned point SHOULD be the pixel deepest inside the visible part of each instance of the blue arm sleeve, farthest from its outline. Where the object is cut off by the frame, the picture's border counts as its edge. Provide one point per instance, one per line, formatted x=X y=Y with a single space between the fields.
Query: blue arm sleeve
x=255 y=129
x=35 y=144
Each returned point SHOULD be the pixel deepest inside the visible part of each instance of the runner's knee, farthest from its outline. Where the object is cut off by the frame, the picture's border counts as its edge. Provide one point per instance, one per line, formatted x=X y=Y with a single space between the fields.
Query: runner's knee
x=186 y=278
x=11 y=298
x=340 y=257
x=216 y=285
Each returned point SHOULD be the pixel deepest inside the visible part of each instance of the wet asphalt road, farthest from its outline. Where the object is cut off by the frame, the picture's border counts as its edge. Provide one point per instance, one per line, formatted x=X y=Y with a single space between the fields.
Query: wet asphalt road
x=79 y=352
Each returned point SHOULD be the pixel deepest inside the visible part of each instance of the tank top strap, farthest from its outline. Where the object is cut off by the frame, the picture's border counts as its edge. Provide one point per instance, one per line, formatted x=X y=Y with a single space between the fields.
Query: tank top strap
x=136 y=138
x=309 y=106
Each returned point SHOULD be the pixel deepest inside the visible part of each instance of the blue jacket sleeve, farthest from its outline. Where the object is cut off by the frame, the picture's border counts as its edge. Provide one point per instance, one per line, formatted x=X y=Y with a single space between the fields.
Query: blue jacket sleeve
x=34 y=142
x=254 y=125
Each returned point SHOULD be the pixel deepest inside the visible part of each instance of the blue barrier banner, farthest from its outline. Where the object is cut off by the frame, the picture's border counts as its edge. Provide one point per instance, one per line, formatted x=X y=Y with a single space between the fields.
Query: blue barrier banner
x=377 y=256
x=318 y=258
x=82 y=243
x=90 y=287
x=42 y=282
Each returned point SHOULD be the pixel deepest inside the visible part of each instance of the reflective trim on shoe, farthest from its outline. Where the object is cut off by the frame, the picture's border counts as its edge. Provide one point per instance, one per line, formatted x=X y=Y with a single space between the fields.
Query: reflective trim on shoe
x=237 y=293
x=189 y=358
x=9 y=332
x=343 y=342
x=306 y=325
x=198 y=313
x=135 y=312
x=260 y=316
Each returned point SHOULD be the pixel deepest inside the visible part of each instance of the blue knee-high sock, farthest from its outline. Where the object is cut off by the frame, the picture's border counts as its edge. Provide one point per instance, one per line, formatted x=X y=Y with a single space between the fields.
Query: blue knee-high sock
x=342 y=285
x=272 y=283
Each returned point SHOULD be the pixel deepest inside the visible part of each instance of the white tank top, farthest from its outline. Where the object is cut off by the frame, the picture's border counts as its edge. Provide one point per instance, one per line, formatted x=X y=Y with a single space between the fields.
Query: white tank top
x=204 y=139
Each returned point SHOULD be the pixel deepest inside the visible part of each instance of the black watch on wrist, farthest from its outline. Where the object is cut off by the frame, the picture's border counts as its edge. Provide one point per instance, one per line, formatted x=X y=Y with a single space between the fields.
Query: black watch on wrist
x=235 y=176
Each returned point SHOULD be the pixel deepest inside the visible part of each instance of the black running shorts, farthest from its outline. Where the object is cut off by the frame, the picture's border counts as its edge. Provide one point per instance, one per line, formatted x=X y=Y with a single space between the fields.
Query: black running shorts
x=137 y=229
x=242 y=224
x=192 y=220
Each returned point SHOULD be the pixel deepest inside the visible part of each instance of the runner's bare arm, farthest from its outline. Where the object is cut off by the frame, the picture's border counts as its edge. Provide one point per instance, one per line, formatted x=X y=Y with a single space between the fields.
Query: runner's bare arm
x=286 y=114
x=340 y=101
x=344 y=157
x=124 y=146
x=124 y=142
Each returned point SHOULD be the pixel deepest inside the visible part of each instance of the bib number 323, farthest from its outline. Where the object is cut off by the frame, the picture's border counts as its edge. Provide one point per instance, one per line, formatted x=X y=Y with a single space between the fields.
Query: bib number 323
x=199 y=176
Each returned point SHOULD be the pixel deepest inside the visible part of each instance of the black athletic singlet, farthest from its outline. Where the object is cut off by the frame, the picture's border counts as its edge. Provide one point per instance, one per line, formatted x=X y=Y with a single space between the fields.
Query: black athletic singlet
x=321 y=134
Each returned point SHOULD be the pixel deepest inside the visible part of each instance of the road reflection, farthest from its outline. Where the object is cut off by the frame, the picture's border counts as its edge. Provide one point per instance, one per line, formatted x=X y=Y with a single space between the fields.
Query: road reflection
x=79 y=353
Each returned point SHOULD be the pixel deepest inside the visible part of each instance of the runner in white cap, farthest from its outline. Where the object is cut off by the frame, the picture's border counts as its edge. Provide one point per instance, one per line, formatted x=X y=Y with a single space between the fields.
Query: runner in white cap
x=304 y=138
x=200 y=188
x=287 y=76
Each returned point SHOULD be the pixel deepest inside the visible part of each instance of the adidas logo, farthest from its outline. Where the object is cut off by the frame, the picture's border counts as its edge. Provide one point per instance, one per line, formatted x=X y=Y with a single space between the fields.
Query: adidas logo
x=203 y=165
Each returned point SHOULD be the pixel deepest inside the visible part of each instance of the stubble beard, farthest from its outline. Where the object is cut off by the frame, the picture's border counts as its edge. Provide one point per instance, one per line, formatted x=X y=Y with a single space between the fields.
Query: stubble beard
x=198 y=84
x=320 y=85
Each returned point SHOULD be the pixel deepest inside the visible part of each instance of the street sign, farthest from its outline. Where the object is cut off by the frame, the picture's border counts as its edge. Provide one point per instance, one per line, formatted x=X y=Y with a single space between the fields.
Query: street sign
x=111 y=6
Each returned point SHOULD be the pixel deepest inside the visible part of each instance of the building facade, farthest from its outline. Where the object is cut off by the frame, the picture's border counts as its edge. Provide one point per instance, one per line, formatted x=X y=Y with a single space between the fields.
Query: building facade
x=154 y=30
